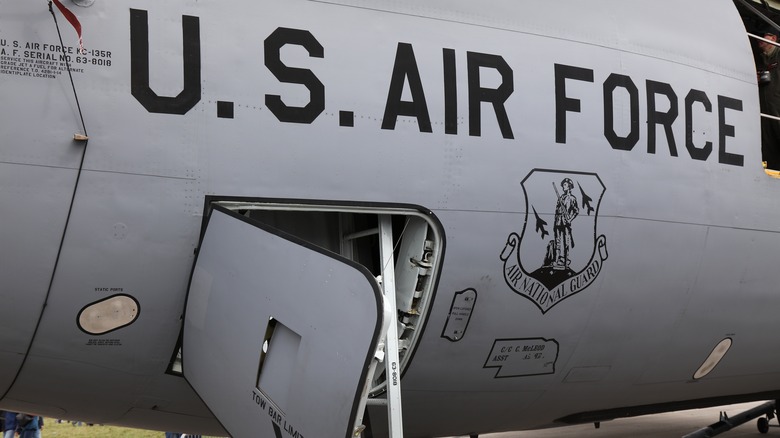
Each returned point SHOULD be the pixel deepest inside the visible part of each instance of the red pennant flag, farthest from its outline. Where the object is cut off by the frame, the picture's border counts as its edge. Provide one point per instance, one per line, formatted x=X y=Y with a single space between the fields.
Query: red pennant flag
x=72 y=20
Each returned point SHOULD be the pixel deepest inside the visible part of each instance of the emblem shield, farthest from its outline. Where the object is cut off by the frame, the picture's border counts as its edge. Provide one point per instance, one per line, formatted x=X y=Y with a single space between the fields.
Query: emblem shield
x=559 y=252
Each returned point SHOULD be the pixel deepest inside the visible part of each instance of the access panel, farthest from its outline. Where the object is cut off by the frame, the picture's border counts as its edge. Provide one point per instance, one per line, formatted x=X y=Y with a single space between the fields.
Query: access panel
x=278 y=333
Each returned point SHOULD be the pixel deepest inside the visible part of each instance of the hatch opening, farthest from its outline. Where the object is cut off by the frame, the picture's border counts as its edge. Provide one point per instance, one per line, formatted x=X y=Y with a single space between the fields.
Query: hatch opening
x=352 y=231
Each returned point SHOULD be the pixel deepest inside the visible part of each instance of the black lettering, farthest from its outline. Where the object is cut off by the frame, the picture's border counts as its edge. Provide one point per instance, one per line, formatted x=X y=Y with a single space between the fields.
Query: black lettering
x=291 y=75
x=139 y=66
x=696 y=153
x=617 y=142
x=347 y=118
x=514 y=274
x=225 y=110
x=726 y=130
x=405 y=67
x=450 y=93
x=655 y=117
x=563 y=103
x=497 y=96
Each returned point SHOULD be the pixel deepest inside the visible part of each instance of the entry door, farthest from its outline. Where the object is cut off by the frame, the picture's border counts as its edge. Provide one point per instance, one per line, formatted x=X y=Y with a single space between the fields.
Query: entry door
x=278 y=334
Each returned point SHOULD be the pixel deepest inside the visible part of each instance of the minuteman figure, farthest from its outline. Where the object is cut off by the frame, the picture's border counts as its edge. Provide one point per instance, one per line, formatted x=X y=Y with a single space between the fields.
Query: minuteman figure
x=565 y=211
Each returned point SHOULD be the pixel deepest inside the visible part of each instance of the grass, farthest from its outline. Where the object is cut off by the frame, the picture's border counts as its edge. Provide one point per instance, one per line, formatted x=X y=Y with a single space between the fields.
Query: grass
x=52 y=429
x=65 y=429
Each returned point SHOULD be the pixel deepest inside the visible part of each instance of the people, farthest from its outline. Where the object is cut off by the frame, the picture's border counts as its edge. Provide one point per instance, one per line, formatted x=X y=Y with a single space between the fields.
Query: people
x=769 y=98
x=29 y=426
x=9 y=424
x=566 y=210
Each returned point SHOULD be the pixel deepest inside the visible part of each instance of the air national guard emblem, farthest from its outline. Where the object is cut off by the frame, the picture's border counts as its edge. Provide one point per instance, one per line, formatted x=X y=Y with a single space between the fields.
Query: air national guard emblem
x=559 y=252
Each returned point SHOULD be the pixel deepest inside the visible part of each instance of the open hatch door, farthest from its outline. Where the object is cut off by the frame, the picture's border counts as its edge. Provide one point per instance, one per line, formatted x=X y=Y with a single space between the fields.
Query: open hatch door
x=278 y=334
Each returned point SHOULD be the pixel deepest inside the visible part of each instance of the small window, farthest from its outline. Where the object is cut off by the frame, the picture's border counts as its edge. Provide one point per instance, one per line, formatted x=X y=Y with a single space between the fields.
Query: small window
x=108 y=314
x=713 y=359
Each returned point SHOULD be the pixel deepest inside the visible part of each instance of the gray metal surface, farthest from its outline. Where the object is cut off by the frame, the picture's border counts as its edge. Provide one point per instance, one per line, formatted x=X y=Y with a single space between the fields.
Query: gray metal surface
x=315 y=364
x=692 y=243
